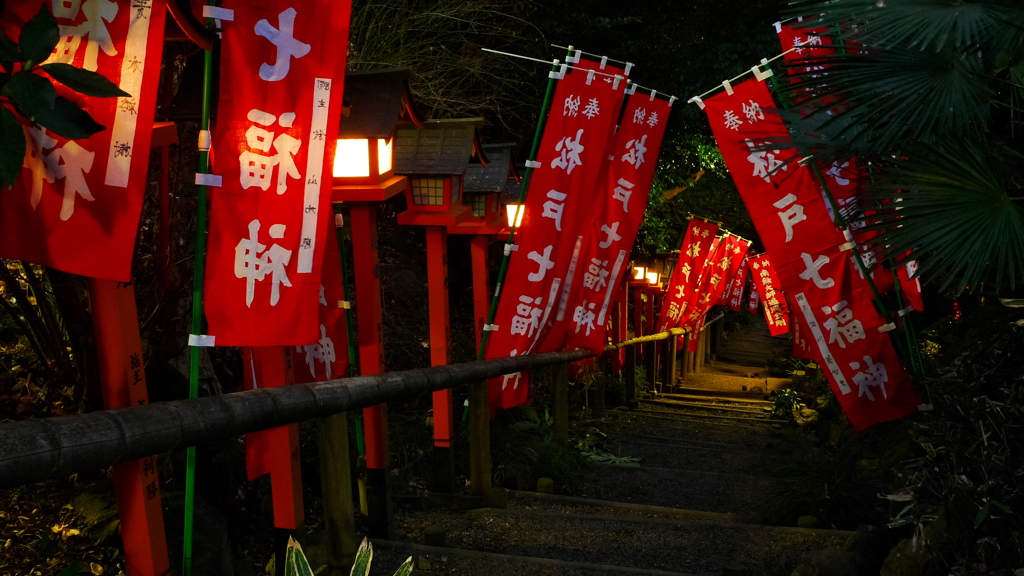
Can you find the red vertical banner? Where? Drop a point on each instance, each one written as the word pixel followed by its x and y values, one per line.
pixel 282 70
pixel 327 357
pixel 546 257
pixel 693 254
pixel 77 203
pixel 609 234
pixel 766 282
pixel 753 301
pixel 739 282
pixel 811 258
pixel 716 276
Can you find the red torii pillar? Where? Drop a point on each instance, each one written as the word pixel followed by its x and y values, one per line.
pixel 137 487
pixel 440 355
pixel 366 265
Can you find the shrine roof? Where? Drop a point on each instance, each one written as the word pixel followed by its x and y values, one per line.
pixel 441 147
pixel 493 178
pixel 375 102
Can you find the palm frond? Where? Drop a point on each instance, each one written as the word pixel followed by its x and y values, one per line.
pixel 949 209
pixel 874 101
pixel 914 24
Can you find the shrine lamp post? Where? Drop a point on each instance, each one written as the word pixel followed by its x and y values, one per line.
pixel 435 158
pixel 364 177
pixel 484 187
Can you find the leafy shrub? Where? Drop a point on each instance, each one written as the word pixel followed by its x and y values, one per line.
pixel 969 460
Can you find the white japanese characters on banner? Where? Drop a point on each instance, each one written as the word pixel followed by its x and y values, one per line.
pixel 768 289
pixel 610 230
pixel 547 260
pixel 282 70
pixel 812 259
pixel 77 203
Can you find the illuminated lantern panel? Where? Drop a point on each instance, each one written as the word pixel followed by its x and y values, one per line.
pixel 363 159
pixel 515 214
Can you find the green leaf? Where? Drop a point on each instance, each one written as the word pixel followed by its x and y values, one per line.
pixel 12 148
pixel 68 120
pixel 8 50
pixel 980 517
pixel 406 568
pixel 85 81
pixel 39 36
pixel 295 560
pixel 33 95
pixel 71 569
pixel 364 556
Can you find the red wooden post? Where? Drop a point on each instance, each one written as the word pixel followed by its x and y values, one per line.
pixel 136 484
pixel 273 368
pixel 481 291
pixel 440 334
pixel 371 361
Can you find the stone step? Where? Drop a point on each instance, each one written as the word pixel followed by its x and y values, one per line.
pixel 587 543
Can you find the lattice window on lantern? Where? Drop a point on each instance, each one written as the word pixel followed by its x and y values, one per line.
pixel 428 191
pixel 479 204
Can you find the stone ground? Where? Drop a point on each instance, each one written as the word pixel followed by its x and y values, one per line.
pixel 693 506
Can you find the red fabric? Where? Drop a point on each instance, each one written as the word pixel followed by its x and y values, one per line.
pixel 810 43
pixel 829 299
pixel 753 300
pixel 604 264
pixel 910 286
pixel 327 358
pixel 549 244
pixel 693 253
pixel 280 107
pixel 717 275
pixel 739 282
pixel 767 284
pixel 803 348
pixel 76 205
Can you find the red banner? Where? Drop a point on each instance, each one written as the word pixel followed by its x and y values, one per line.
pixel 693 254
pixel 282 71
pixel 767 284
pixel 753 301
pixel 548 249
pixel 609 234
pixel 77 203
pixel 327 358
pixel 716 276
pixel 738 284
pixel 786 206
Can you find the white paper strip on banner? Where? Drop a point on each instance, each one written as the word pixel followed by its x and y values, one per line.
pixel 696 100
pixel 533 164
pixel 613 281
pixel 826 354
pixel 213 180
pixel 490 328
pixel 133 66
pixel 318 133
pixel 201 340
pixel 510 248
pixel 218 13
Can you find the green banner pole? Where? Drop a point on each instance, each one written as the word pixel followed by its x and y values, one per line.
pixel 527 174
pixel 197 308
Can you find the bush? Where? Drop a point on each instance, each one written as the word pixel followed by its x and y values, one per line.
pixel 969 451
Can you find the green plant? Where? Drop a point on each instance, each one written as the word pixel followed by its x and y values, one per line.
pixel 928 103
pixel 968 454
pixel 785 402
pixel 34 96
pixel 830 485
pixel 296 564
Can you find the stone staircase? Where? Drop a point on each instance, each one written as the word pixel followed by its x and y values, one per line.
pixel 752 345
pixel 692 506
